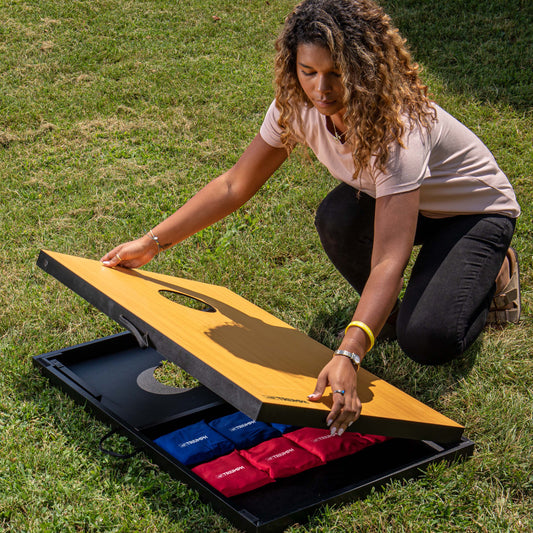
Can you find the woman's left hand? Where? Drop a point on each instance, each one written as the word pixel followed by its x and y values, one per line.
pixel 340 375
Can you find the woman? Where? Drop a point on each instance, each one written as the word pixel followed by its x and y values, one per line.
pixel 410 174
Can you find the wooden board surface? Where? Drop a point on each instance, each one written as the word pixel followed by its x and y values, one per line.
pixel 256 362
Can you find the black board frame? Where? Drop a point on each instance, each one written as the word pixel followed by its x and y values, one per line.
pixel 81 370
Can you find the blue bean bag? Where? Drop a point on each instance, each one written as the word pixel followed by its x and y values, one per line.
pixel 197 443
pixel 243 431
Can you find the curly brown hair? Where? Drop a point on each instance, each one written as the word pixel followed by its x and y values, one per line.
pixel 381 82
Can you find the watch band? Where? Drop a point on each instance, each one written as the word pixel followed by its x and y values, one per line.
pixel 354 358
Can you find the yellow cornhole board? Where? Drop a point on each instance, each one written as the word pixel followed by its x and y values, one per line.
pixel 254 361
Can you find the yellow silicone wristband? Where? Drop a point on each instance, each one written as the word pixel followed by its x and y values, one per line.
pixel 365 328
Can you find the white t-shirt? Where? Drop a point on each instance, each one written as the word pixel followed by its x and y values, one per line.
pixel 456 172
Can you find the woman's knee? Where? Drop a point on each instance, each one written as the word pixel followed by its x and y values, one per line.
pixel 430 344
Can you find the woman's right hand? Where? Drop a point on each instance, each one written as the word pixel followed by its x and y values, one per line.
pixel 131 254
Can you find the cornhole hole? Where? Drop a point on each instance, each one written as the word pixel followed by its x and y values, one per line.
pixel 247 361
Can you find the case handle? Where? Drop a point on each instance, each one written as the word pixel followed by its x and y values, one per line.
pixel 111 452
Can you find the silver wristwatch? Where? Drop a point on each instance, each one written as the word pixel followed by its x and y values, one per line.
pixel 354 358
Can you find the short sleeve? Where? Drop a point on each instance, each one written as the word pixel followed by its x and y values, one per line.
pixel 270 130
pixel 407 166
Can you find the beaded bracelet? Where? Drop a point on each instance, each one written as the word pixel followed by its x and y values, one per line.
pixel 365 328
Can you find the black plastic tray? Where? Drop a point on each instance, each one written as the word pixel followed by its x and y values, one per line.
pixel 113 377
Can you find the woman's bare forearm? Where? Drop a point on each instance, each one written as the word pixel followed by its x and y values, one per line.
pixel 209 205
pixel 217 199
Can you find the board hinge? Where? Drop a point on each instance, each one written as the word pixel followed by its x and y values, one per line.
pixel 141 338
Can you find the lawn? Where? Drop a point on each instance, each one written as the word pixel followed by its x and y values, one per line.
pixel 112 113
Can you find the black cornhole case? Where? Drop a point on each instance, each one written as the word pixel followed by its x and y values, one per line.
pixel 114 377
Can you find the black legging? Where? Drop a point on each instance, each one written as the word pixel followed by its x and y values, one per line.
pixel 452 282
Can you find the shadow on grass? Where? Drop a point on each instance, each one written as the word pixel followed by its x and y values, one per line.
pixel 480 48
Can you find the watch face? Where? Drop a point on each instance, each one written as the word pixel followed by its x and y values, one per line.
pixel 354 358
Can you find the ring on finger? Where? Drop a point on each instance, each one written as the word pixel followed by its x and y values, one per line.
pixel 118 257
pixel 340 391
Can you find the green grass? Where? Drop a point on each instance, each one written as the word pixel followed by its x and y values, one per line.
pixel 112 113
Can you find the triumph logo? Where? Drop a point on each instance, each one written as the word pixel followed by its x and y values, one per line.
pixel 230 472
pixel 285 399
